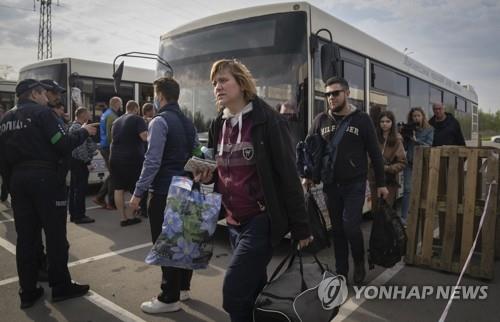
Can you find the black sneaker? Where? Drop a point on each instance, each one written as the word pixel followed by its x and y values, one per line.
pixel 28 299
pixel 359 272
pixel 83 220
pixel 129 222
pixel 61 293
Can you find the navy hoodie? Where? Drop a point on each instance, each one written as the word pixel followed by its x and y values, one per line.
pixel 447 132
pixel 359 141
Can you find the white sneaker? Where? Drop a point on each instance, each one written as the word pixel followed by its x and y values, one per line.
pixel 185 295
pixel 156 306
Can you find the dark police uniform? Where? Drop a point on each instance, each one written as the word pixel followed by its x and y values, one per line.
pixel 35 143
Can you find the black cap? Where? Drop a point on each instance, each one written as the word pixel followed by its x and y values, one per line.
pixel 28 84
pixel 53 86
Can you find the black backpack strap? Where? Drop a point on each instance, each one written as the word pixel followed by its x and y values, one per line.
pixel 337 137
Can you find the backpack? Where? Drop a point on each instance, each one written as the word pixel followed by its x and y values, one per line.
pixel 308 155
pixel 387 238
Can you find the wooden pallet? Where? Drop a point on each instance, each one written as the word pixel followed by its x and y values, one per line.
pixel 449 188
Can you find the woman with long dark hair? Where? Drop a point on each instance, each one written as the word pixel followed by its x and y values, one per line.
pixel 423 136
pixel 391 145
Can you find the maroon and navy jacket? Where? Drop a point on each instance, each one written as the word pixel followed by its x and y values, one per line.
pixel 237 177
pixel 264 140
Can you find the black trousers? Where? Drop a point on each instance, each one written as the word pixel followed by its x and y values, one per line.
pixel 4 191
pixel 78 188
pixel 173 279
pixel 345 206
pixel 39 201
pixel 106 188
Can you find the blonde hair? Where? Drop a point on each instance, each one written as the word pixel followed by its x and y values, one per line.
pixel 240 73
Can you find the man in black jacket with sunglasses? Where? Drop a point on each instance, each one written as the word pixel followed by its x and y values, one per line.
pixel 344 173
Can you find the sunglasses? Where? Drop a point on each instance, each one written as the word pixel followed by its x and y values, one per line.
pixel 333 93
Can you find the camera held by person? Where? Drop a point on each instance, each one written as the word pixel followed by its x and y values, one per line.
pixel 407 130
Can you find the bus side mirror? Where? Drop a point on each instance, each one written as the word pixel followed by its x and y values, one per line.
pixel 330 61
pixel 117 76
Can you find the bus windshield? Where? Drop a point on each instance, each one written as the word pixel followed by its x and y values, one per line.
pixel 273 47
pixel 56 72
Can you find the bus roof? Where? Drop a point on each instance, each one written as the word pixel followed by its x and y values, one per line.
pixel 344 35
pixel 89 68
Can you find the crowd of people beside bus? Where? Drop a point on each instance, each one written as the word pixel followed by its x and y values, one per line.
pixel 262 193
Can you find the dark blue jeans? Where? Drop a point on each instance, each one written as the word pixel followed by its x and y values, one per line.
pixel 345 206
pixel 246 274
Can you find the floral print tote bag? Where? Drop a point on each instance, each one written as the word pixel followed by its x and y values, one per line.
pixel 190 219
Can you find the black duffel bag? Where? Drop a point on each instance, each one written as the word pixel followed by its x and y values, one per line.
pixel 304 292
pixel 387 238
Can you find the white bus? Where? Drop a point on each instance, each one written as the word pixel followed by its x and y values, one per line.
pixel 7 93
pixel 286 50
pixel 90 84
pixel 280 45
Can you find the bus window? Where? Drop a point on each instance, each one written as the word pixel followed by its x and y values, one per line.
pixel 7 100
pixel 104 90
pixel 436 95
pixel 274 49
pixel 419 95
pixel 86 94
pixel 146 94
pixel 319 106
pixel 56 72
pixel 354 74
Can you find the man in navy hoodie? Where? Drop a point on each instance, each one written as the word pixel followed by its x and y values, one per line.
pixel 447 130
pixel 344 179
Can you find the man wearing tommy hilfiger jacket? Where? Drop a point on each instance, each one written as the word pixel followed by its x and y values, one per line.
pixel 344 178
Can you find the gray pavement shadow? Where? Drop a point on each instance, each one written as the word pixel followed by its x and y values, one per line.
pixel 40 312
pixel 207 310
pixel 180 316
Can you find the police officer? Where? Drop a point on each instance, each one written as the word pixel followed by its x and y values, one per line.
pixel 54 95
pixel 36 143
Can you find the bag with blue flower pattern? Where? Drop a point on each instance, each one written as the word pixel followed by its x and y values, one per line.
pixel 190 219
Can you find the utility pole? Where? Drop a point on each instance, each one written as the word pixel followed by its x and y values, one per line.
pixel 45 30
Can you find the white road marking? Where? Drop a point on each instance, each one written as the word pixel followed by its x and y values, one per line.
pixel 6 215
pixel 353 304
pixel 112 308
pixel 93 207
pixel 110 254
pixel 6 244
pixel 9 280
pixel 6 220
pixel 11 248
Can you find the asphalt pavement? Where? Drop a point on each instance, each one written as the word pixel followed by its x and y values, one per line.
pixel 111 259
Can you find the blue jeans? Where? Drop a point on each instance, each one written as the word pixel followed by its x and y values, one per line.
pixel 246 274
pixel 405 205
pixel 345 206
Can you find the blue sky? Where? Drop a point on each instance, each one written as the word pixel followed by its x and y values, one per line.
pixel 458 38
